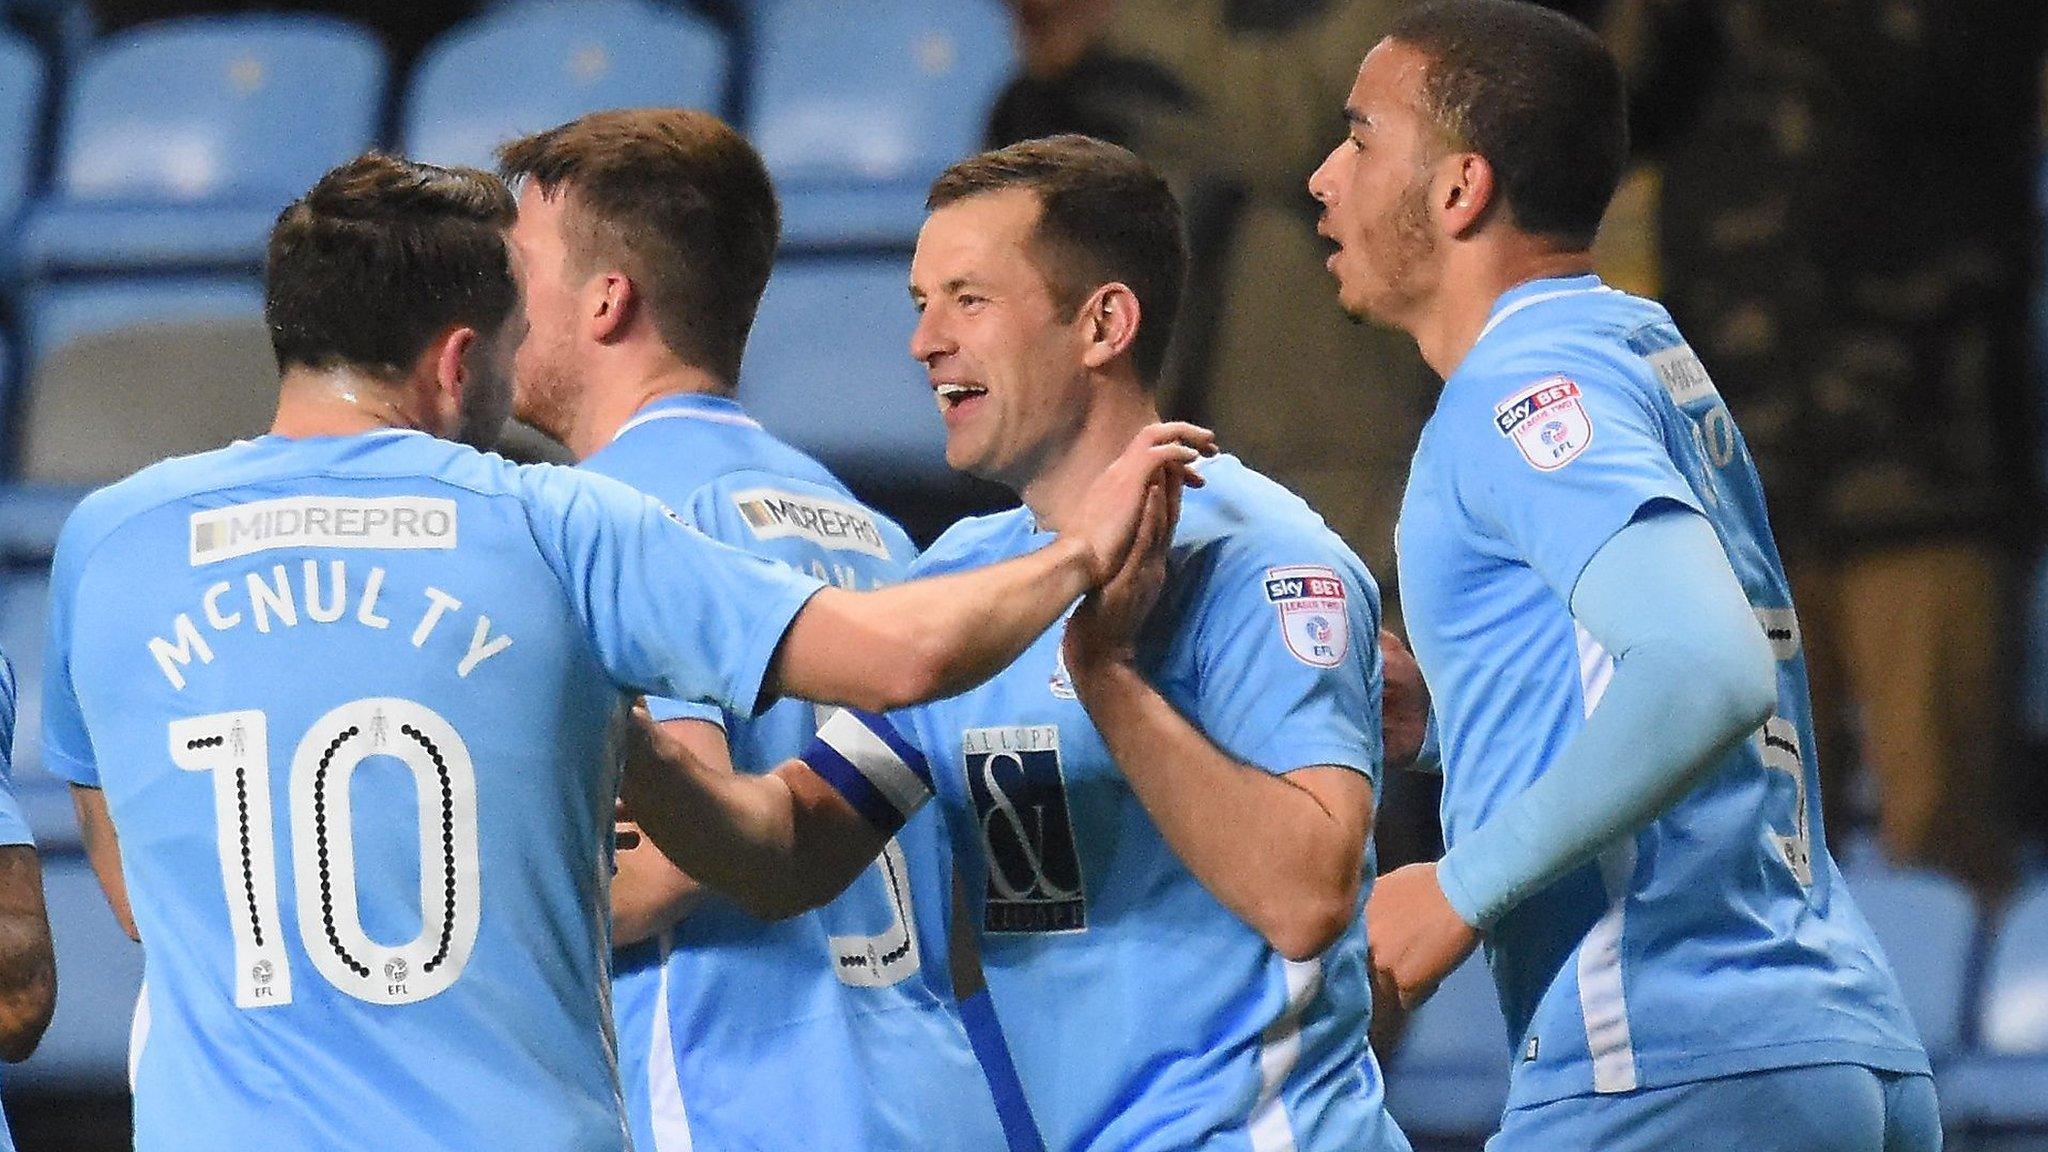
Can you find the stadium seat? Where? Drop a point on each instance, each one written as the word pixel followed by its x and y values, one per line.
pixel 53 315
pixel 532 66
pixel 100 970
pixel 857 107
pixel 2003 1088
pixel 22 79
pixel 188 386
pixel 829 369
pixel 181 140
pixel 1449 1077
pixel 1927 925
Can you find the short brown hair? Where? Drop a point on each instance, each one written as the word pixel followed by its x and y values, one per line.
pixel 1104 215
pixel 380 256
pixel 678 201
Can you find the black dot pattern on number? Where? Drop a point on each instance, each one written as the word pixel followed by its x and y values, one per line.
pixel 898 899
pixel 205 742
pixel 447 781
pixel 326 871
pixel 248 864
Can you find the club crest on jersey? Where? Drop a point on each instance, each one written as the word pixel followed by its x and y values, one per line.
pixel 1313 622
pixel 1547 421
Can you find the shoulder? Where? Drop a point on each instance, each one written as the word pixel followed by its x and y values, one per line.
pixel 977 540
pixel 105 510
pixel 1244 536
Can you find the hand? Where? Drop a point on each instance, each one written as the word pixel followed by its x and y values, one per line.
pixel 1104 626
pixel 1106 527
pixel 1414 938
pixel 1053 35
pixel 1404 702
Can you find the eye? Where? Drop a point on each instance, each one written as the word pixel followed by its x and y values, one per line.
pixel 1357 143
pixel 970 301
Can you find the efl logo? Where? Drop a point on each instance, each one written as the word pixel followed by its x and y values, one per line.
pixel 1313 622
pixel 1027 833
pixel 1547 421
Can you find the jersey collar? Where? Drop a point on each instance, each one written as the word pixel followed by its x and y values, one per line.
pixel 1533 292
pixel 690 406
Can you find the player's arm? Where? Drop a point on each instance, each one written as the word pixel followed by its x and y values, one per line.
pixel 1281 845
pixel 928 638
pixel 28 964
pixel 1407 726
pixel 777 844
pixel 103 852
pixel 650 894
pixel 1693 676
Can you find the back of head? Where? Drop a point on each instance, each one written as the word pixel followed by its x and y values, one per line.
pixel 676 200
pixel 1538 95
pixel 382 255
pixel 1104 216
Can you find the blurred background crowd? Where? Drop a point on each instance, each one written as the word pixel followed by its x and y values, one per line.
pixel 1839 200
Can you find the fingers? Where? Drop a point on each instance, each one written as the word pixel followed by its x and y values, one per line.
pixel 1193 435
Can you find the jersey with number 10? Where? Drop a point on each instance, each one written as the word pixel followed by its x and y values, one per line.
pixel 348 699
pixel 721 1018
pixel 1719 939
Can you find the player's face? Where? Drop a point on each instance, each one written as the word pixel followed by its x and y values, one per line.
pixel 1005 362
pixel 1374 188
pixel 544 367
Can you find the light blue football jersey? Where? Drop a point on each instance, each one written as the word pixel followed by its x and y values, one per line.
pixel 836 1029
pixel 1143 1014
pixel 349 701
pixel 13 826
pixel 1720 939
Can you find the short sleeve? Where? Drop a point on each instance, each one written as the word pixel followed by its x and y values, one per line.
pixel 1555 467
pixel 1287 654
pixel 67 748
pixel 669 611
pixel 865 758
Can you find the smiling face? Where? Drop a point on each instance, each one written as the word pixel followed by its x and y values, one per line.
pixel 1375 191
pixel 1004 359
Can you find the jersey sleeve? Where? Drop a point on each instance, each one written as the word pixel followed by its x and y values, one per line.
pixel 1288 654
pixel 701 512
pixel 67 747
pixel 1558 465
pixel 13 827
pixel 669 611
pixel 865 758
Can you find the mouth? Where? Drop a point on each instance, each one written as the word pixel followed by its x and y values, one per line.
pixel 957 398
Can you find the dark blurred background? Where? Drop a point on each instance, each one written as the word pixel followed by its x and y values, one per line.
pixel 1839 200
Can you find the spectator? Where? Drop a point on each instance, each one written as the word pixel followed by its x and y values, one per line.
pixel 1845 226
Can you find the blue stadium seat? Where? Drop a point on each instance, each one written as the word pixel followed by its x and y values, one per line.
pixel 1449 1078
pixel 857 107
pixel 829 369
pixel 56 314
pixel 532 66
pixel 1927 925
pixel 99 972
pixel 22 79
pixel 182 140
pixel 2003 1088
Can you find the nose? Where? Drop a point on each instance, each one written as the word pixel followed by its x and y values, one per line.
pixel 929 340
pixel 1322 183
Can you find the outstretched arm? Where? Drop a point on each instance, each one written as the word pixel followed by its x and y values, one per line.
pixel 28 966
pixel 924 639
pixel 1692 677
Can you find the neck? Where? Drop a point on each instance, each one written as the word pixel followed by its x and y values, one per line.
pixel 1117 413
pixel 343 402
pixel 614 399
pixel 1452 322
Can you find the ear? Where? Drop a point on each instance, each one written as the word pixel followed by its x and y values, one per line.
pixel 1463 193
pixel 1109 322
pixel 610 299
pixel 450 374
